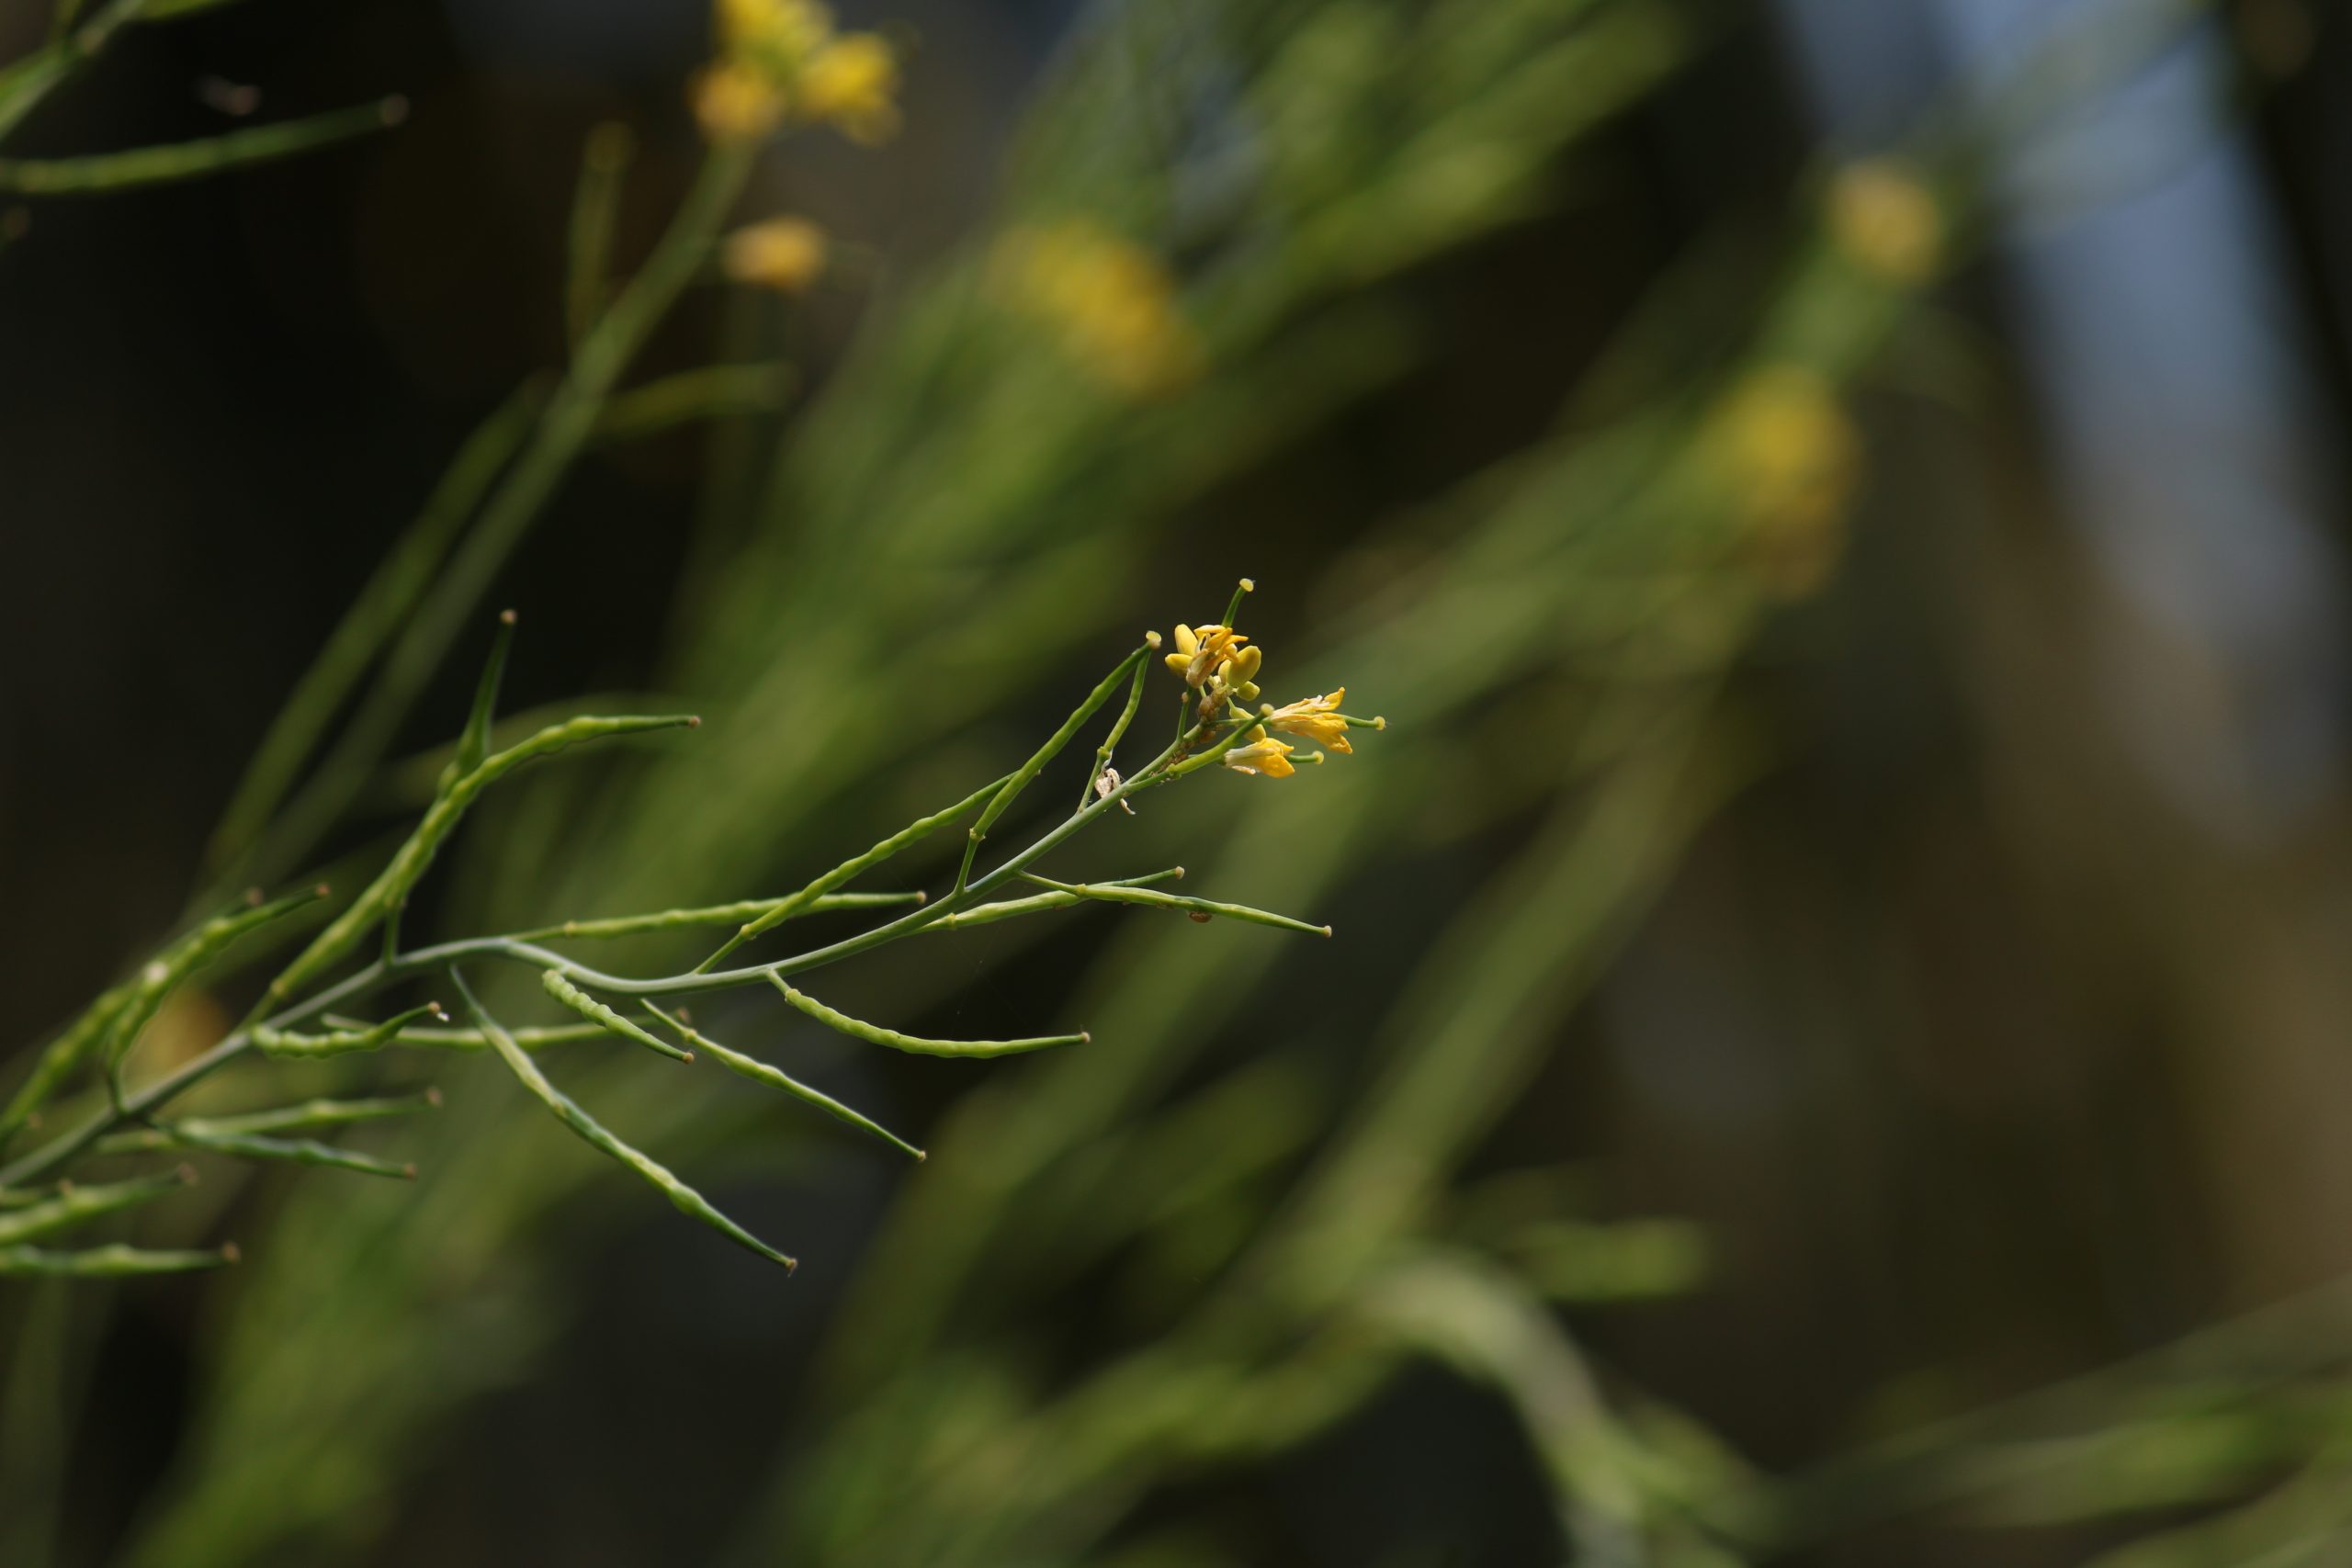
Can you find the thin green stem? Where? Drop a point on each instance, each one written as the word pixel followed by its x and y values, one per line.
pixel 717 915
pixel 1037 903
pixel 26 81
pixel 1110 742
pixel 713 392
pixel 395 590
pixel 139 1103
pixel 566 426
pixel 595 203
pixel 787 908
pixel 106 172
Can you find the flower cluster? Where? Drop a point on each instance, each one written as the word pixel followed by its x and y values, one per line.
pixel 781 60
pixel 1221 665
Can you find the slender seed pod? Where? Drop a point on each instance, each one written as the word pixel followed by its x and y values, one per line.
pixel 108 1262
pixel 874 1035
pixel 760 1072
pixel 79 1205
pixel 340 1042
pixel 683 1196
pixel 595 1012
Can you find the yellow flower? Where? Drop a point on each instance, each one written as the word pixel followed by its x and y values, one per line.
pixel 1111 303
pixel 1782 442
pixel 1236 673
pixel 787 255
pixel 1315 719
pixel 1262 754
pixel 736 101
pixel 1198 653
pixel 784 31
pixel 851 81
pixel 1886 221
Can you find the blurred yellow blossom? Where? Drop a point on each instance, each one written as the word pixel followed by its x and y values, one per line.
pixel 852 82
pixel 188 1024
pixel 736 101
pixel 783 32
pixel 782 58
pixel 1110 304
pixel 1782 441
pixel 787 255
pixel 1883 218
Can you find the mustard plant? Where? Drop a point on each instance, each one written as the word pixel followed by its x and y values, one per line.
pixel 299 1015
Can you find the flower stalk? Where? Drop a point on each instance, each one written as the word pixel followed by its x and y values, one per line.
pixel 302 1014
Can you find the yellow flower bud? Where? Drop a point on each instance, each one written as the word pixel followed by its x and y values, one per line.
pixel 787 255
pixel 1267 757
pixel 785 31
pixel 735 101
pixel 1886 221
pixel 1315 719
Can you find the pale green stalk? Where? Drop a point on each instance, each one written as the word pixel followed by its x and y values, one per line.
pixel 718 915
pixel 25 83
pixel 691 397
pixel 1110 742
pixel 79 1205
pixel 59 1057
pixel 566 426
pixel 595 203
pixel 252 1146
pixel 1036 903
pixel 309 1114
pixel 391 887
pixel 785 908
pixel 109 1262
pixel 171 969
pixel 1022 776
pixel 103 173
pixel 392 593
pixel 528 1037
